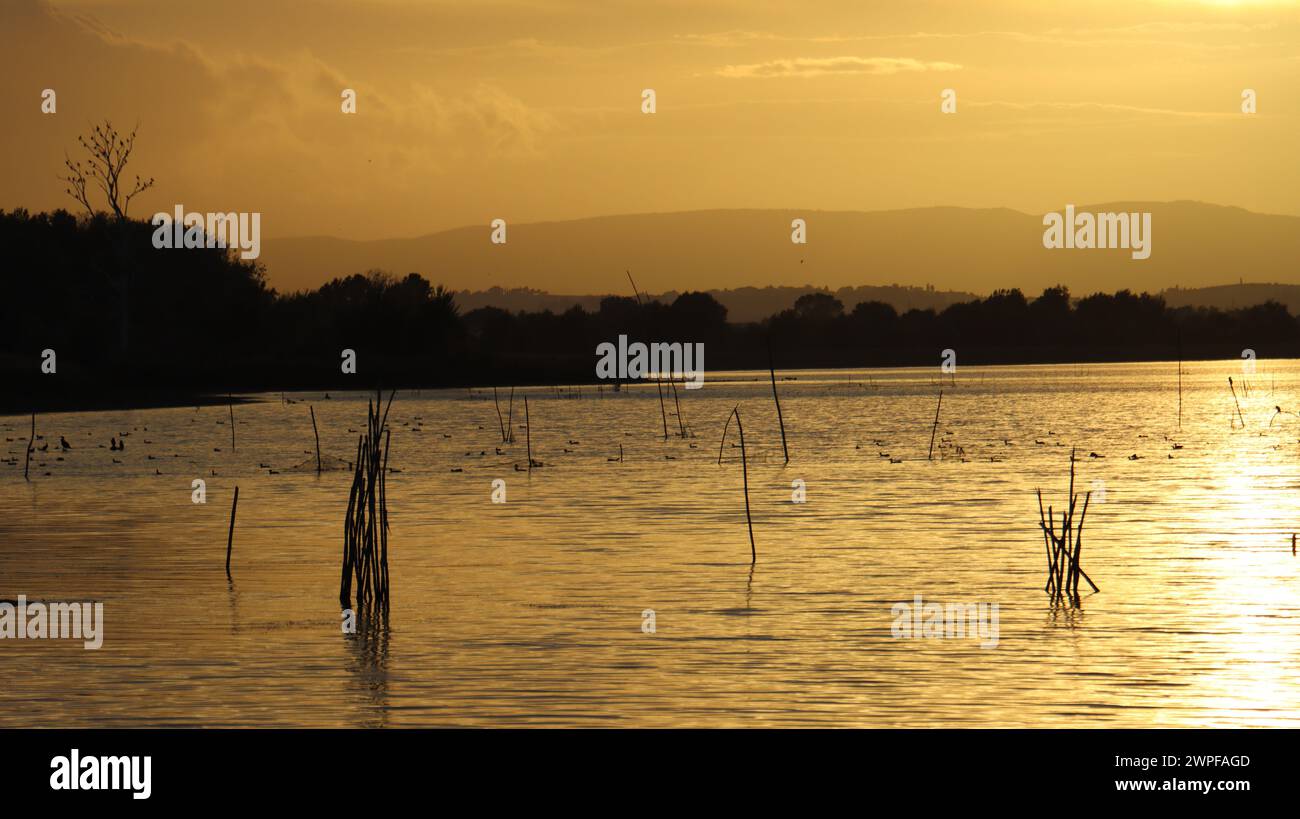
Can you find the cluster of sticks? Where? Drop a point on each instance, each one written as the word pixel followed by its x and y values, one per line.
pixel 365 529
pixel 1064 548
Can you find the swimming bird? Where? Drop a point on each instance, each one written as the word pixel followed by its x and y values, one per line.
pixel 1280 411
pixel 63 442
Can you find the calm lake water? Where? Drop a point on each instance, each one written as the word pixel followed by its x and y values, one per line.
pixel 529 612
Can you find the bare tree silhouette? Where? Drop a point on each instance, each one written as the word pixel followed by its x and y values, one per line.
pixel 108 153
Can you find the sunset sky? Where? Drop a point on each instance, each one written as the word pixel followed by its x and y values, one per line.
pixel 530 110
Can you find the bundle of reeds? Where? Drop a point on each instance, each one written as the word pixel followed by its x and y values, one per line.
pixel 365 528
pixel 1064 548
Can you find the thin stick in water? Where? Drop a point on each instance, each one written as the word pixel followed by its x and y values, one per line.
pixel 1180 380
pixel 31 444
pixel 771 368
pixel 1235 401
pixel 510 418
pixel 681 425
pixel 663 413
pixel 935 428
pixel 659 385
pixel 528 432
pixel 744 466
pixel 230 537
pixel 500 423
pixel 315 432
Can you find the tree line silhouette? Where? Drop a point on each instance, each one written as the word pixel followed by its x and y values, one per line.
pixel 131 322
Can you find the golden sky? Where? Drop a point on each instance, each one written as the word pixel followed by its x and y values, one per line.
pixel 531 110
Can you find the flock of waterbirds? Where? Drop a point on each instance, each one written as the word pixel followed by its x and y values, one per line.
pixel 365 559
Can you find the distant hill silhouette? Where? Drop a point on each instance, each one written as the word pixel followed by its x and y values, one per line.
pixel 1232 296
pixel 744 304
pixel 961 249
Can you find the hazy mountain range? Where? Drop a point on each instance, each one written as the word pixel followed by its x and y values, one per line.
pixel 963 250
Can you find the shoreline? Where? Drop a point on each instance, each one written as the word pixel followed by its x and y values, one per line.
pixel 120 400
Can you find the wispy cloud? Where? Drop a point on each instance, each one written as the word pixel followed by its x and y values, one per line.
pixel 1139 35
pixel 1102 106
pixel 825 66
